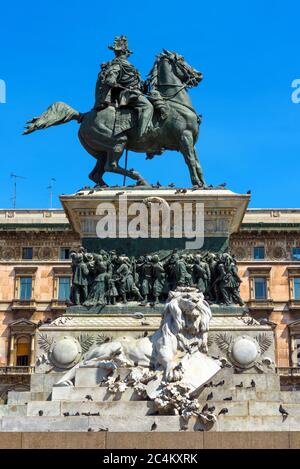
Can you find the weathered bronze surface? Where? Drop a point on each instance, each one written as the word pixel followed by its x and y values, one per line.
pixel 106 278
pixel 143 116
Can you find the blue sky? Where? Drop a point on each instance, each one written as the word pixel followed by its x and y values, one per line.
pixel 247 50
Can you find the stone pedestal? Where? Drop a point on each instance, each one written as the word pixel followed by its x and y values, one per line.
pixel 223 213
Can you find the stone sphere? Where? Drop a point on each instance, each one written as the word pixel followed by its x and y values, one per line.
pixel 65 351
pixel 244 352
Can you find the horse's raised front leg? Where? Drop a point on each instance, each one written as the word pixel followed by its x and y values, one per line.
pixel 191 159
pixel 112 166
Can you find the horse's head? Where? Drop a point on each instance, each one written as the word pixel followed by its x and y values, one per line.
pixel 185 72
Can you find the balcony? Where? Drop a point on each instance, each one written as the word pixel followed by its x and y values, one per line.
pixel 294 304
pixel 256 305
pixel 289 371
pixel 16 370
pixel 23 305
pixel 59 306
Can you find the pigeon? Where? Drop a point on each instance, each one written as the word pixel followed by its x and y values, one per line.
pixel 205 408
pixel 77 413
pixel 224 184
pixel 177 191
pixel 41 413
pixel 211 409
pixel 253 383
pixel 221 383
pixel 283 412
pixel 96 414
pixel 101 429
pixel 171 184
pixel 223 411
pixel 183 191
pixel 153 427
pixel 120 193
pixel 86 414
pixel 90 430
pixel 66 414
pixel 158 184
pixel 210 396
pixel 249 191
pixel 227 399
pixel 239 385
pixel 89 397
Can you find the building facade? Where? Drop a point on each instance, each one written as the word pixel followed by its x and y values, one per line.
pixel 35 277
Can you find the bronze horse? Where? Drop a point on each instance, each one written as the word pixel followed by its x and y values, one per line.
pixel 171 76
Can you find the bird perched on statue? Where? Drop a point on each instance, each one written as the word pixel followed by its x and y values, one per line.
pixel 90 430
pixel 88 397
pixel 103 429
pixel 177 191
pixel 283 412
pixel 210 396
pixel 171 184
pixel 41 413
pixel 224 184
pixel 239 385
pixel 252 383
pixel 153 427
pixel 249 191
pixel 158 184
pixel 211 409
pixel 221 383
pixel 66 414
pixel 184 191
pixel 227 399
pixel 205 408
pixel 223 411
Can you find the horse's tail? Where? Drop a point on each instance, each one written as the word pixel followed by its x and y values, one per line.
pixel 56 114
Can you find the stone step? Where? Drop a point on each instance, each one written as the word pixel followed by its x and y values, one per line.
pixel 82 424
pixel 18 397
pixel 145 424
pixel 290 396
pixel 269 409
pixel 13 410
pixel 23 397
pixel 41 382
pixel 263 382
pixel 257 424
pixel 116 408
pixel 70 393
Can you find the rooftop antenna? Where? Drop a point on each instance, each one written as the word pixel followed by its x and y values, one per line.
pixel 14 197
pixel 50 188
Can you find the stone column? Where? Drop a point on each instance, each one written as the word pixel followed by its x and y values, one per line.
pixel 11 350
pixel 32 351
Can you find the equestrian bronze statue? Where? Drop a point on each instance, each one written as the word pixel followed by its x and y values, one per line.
pixel 141 116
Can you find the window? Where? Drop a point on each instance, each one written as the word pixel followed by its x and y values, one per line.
pixel 25 288
pixel 64 254
pixel 296 254
pixel 23 351
pixel 297 288
pixel 258 252
pixel 63 288
pixel 27 253
pixel 260 288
